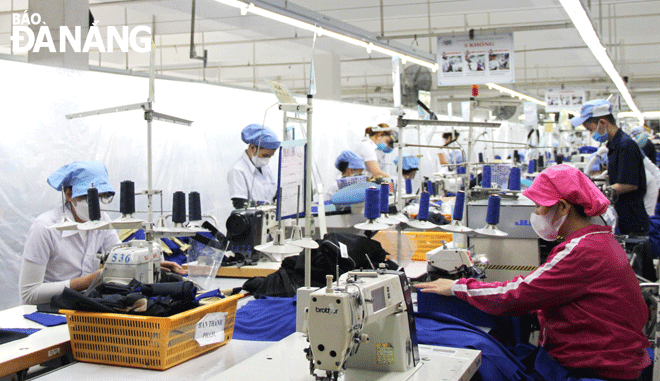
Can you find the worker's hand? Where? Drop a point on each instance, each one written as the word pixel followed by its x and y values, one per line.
pixel 439 286
pixel 173 266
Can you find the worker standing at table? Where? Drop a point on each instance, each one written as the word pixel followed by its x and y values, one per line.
pixel 373 148
pixel 625 165
pixel 251 178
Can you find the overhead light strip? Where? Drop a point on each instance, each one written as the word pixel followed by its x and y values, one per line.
pixel 370 46
pixel 512 93
pixel 583 24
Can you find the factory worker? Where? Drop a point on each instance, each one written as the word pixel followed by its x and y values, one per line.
pixel 450 156
pixel 373 148
pixel 410 166
pixel 625 165
pixel 251 178
pixel 349 164
pixel 586 296
pixel 643 140
pixel 54 259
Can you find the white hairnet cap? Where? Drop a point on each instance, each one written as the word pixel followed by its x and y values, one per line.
pixel 80 176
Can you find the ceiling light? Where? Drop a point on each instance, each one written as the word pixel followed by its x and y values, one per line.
pixel 513 94
pixel 370 46
pixel 583 24
pixel 645 115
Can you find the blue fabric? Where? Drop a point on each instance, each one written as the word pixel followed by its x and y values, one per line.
pixel 352 194
pixel 260 136
pixel 47 320
pixel 267 319
pixel 587 149
pixel 497 363
pixel 210 294
pixel 409 162
pixel 80 176
pixel 354 161
pixel 654 234
pixel 27 331
pixel 596 107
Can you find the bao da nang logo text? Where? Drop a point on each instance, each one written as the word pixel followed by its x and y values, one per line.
pixel 23 37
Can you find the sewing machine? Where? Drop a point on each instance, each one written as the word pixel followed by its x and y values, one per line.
pixel 365 322
pixel 453 263
pixel 247 228
pixel 130 260
pixel 358 329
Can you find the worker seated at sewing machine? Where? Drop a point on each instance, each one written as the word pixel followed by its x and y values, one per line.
pixel 54 259
pixel 590 324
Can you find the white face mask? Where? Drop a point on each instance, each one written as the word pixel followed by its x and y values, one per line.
pixel 260 161
pixel 543 225
pixel 82 210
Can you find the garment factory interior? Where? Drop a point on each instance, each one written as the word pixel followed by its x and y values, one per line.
pixel 357 190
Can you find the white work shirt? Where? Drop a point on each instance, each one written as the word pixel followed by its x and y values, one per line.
pixel 240 179
pixel 66 254
pixel 368 150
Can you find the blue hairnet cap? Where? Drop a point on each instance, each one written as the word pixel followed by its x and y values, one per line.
pixel 597 107
pixel 80 176
pixel 260 136
pixel 409 162
pixel 354 161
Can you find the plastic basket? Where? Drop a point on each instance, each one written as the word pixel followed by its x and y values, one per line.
pixel 346 181
pixel 418 242
pixel 427 241
pixel 143 341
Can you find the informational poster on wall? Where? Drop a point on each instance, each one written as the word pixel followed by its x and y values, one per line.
pixel 564 99
pixel 483 59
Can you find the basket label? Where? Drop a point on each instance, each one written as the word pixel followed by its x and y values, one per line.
pixel 211 329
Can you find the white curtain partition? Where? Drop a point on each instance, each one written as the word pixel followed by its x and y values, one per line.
pixel 37 139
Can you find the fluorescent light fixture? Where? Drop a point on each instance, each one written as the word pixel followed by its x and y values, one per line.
pixel 645 115
pixel 515 94
pixel 583 24
pixel 250 7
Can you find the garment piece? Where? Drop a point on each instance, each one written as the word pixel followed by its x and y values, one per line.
pixel 80 176
pixel 11 334
pixel 587 319
pixel 497 363
pixel 247 182
pixel 266 319
pixel 47 320
pixel 625 166
pixel 64 253
pixel 260 136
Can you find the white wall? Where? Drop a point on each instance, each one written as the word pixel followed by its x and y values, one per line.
pixel 37 139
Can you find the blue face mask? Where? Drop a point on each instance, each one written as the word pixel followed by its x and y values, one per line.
pixel 383 147
pixel 388 149
pixel 597 136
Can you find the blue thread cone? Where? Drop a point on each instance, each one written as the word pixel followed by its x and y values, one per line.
pixel 423 213
pixel 371 203
pixel 384 198
pixel 493 212
pixel 409 186
pixel 514 179
pixel 486 176
pixel 458 206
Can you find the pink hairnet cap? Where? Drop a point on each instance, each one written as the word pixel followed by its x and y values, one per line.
pixel 565 182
